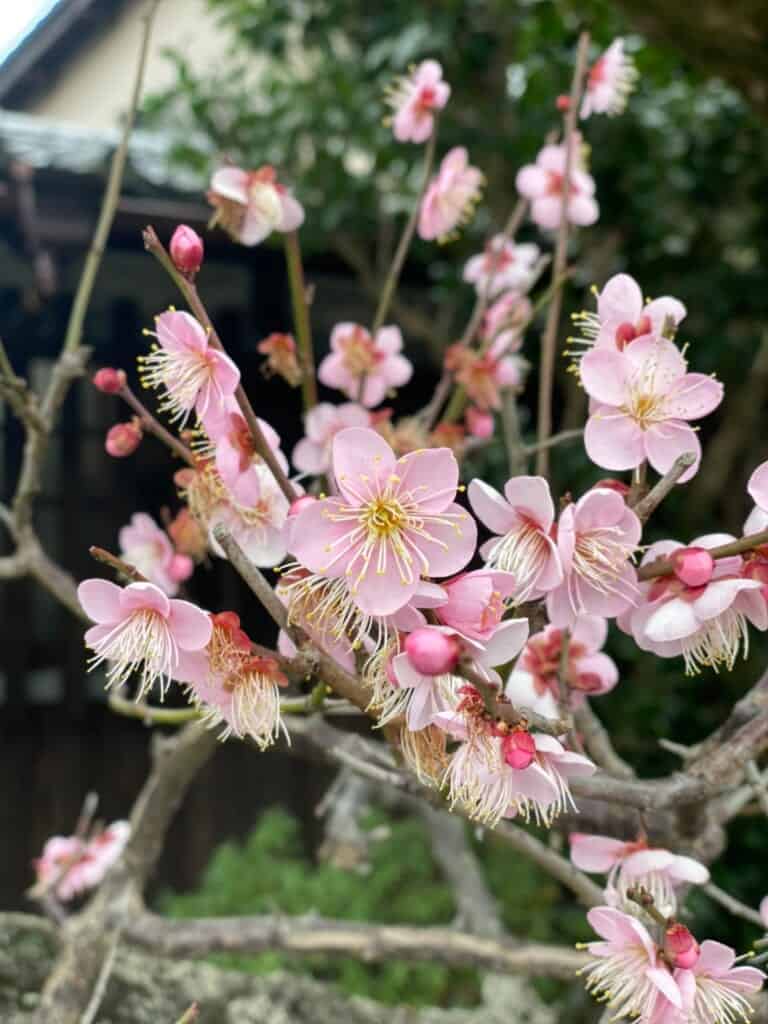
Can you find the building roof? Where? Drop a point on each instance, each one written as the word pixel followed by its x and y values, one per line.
pixel 49 46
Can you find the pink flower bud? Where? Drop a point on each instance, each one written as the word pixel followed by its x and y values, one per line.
pixel 518 749
pixel 479 423
pixel 680 946
pixel 186 250
pixel 181 568
pixel 431 651
pixel 123 439
pixel 300 504
pixel 693 566
pixel 563 102
pixel 109 380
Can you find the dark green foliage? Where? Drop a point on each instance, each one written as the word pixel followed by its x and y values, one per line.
pixel 272 873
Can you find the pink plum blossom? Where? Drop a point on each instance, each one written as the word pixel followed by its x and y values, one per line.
pixel 257 522
pixel 416 99
pixel 543 183
pixel 630 864
pixel 714 991
pixel 643 398
pixel 505 320
pixel 393 521
pixel 357 360
pixel 610 81
pixel 236 688
pixel 484 781
pixel 627 972
pixel 596 537
pixel 706 625
pixel 322 423
pixel 148 548
pixel 72 865
pixel 250 205
pixel 503 266
pixel 623 316
pixel 450 198
pixel 422 696
pixel 475 602
pixel 534 681
pixel 139 626
pixel 237 461
pixel 485 375
pixel 523 522
pixel 192 374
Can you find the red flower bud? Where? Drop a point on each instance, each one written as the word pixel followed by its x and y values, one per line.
pixel 186 250
pixel 563 102
pixel 123 439
pixel 431 651
pixel 681 948
pixel 518 749
pixel 109 380
pixel 693 566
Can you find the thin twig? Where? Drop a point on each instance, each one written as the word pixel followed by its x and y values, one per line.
pixel 153 426
pixel 393 276
pixel 646 506
pixel 564 437
pixel 732 905
pixel 100 988
pixel 500 707
pixel 149 714
pixel 758 785
pixel 549 337
pixel 301 320
pixel 510 420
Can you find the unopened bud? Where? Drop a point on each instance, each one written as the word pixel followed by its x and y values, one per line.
pixel 681 948
pixel 693 566
pixel 123 439
pixel 518 749
pixel 186 250
pixel 563 102
pixel 479 423
pixel 431 651
pixel 300 504
pixel 109 380
pixel 181 568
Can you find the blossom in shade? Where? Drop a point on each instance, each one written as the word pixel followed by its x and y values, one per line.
pixel 475 602
pixel 504 321
pixel 280 350
pixel 187 536
pixel 534 681
pixel 642 399
pixel 237 689
pixel 627 972
pixel 450 198
pixel 359 363
pixel 523 523
pixel 256 523
pixel 479 423
pixel 623 317
pixel 543 185
pixel 138 628
pixel 484 375
pixel 630 864
pixel 596 537
pixel 250 205
pixel 610 81
pixel 714 991
pixel 71 865
pixel 393 521
pixel 707 625
pixel 191 374
pixel 233 446
pixel 416 99
pixel 123 438
pixel 148 548
pixel 322 423
pixel 502 266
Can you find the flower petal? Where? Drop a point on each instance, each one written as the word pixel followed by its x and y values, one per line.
pixel 100 600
